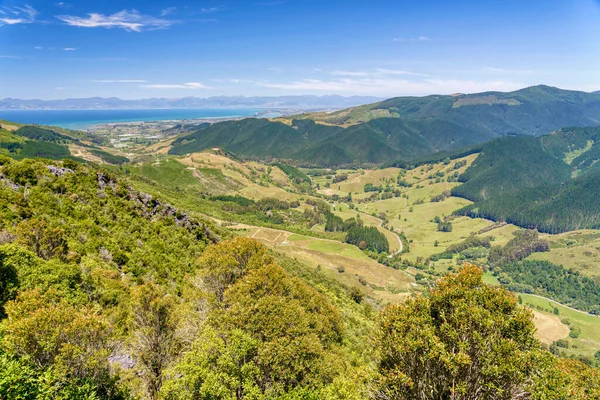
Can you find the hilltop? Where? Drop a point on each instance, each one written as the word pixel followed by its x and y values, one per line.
pixel 405 128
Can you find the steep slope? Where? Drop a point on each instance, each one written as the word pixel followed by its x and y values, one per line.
pixel 548 183
pixel 405 128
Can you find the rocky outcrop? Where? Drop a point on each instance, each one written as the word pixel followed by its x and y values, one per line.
pixel 152 208
pixel 58 171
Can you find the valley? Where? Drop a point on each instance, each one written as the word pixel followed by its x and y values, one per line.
pixel 370 236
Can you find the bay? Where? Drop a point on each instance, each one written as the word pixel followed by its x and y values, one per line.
pixel 84 119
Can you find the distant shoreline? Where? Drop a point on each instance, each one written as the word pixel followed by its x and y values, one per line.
pixel 89 119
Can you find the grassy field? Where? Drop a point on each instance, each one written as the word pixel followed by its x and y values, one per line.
pixel 342 261
pixel 411 214
pixel 579 250
pixel 588 343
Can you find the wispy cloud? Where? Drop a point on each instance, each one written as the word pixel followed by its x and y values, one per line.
pixel 271 3
pixel 38 48
pixel 414 39
pixel 506 71
pixel 69 49
pixel 17 15
pixel 167 11
pixel 209 10
pixel 119 81
pixel 129 20
pixel 393 86
pixel 376 72
pixel 188 85
pixel 11 57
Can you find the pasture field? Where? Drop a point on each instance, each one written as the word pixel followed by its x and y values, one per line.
pixel 344 262
pixel 588 342
pixel 578 250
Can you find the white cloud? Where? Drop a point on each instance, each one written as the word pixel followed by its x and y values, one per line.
pixel 119 81
pixel 17 15
pixel 69 49
pixel 394 86
pixel 506 71
pixel 239 80
pixel 167 11
pixel 38 48
pixel 11 57
pixel 189 85
pixel 376 72
pixel 209 10
pixel 415 39
pixel 128 20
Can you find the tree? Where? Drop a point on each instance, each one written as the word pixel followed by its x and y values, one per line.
pixel 271 335
pixel 467 340
pixel 223 264
pixel 45 240
pixel 74 341
pixel 153 328
pixel 9 282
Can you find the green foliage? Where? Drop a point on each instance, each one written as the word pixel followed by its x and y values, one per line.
pixel 526 181
pixel 371 236
pixel 334 223
pixel 521 246
pixel 563 285
pixel 240 200
pixel 41 134
pixel 294 173
pixel 444 226
pixel 369 187
pixel 109 158
pixel 464 338
pixel 270 335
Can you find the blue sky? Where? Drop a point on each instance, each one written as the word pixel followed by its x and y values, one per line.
pixel 140 49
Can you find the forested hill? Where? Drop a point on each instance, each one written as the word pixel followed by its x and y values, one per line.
pixel 549 183
pixel 402 128
pixel 27 141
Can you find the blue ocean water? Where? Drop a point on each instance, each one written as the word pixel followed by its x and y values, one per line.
pixel 83 119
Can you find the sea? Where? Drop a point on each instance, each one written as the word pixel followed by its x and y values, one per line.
pixel 85 119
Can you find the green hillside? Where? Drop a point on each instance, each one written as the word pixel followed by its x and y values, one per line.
pixel 548 183
pixel 403 128
pixel 29 141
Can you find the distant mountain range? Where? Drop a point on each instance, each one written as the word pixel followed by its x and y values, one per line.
pixel 269 102
pixel 402 128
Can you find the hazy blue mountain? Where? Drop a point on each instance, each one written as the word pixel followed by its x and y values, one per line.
pixel 275 102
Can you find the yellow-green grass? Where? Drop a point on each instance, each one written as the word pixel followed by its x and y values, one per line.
pixel 331 247
pixel 490 279
pixel 356 182
pixel 343 211
pixel 501 234
pixel 579 250
pixel 588 343
pixel 384 284
pixel 240 173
